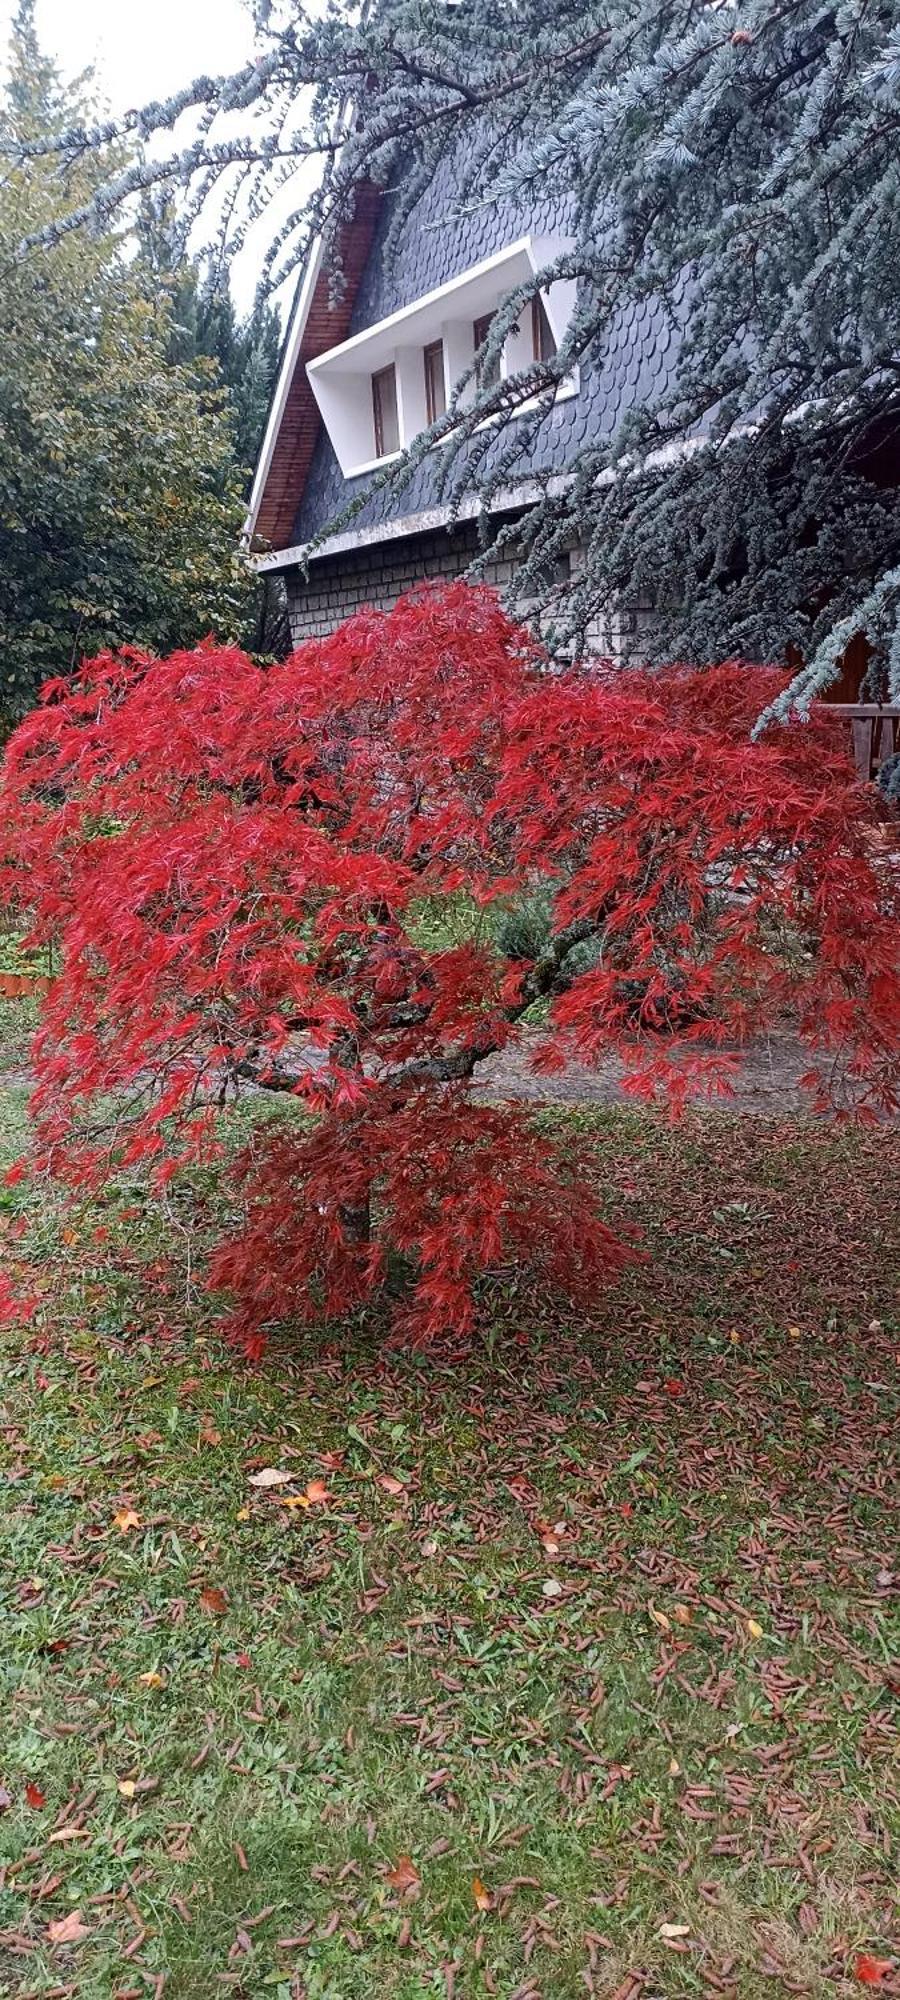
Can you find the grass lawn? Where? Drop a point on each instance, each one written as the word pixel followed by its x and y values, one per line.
pixel 558 1668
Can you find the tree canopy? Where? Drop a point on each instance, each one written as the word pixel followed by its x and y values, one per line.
pixel 352 877
pixel 204 323
pixel 736 163
pixel 120 500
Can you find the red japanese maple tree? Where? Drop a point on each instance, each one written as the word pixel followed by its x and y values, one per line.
pixel 245 870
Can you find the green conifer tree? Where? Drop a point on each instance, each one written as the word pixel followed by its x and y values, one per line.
pixel 204 323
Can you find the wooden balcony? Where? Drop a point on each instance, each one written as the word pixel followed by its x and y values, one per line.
pixel 874 731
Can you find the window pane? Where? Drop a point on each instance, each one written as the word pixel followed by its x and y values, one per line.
pixel 385 412
pixel 488 373
pixel 435 388
pixel 543 345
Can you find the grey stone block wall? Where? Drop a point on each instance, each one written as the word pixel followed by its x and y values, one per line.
pixel 339 585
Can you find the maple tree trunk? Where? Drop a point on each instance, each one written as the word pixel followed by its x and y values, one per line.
pixel 356 1216
pixel 356 1221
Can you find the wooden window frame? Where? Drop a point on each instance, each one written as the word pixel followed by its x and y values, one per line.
pixel 382 375
pixel 540 319
pixel 433 363
pixel 480 329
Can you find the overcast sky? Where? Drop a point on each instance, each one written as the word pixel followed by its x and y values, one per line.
pixel 144 49
pixel 141 48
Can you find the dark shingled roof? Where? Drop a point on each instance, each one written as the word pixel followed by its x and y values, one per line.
pixel 435 247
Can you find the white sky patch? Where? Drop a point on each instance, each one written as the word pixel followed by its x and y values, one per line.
pixel 142 53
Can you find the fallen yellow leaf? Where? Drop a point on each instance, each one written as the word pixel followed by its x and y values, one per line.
pixel 125 1519
pixel 243 1514
pixel 152 1679
pixel 127 1787
pixel 316 1495
pixel 483 1897
pixel 755 1629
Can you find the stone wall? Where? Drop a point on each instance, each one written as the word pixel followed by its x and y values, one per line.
pixel 338 585
pixel 377 575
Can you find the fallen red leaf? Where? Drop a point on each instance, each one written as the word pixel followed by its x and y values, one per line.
pixel 34 1795
pixel 872 1971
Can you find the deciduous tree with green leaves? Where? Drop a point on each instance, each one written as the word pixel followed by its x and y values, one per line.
pixel 738 163
pixel 120 496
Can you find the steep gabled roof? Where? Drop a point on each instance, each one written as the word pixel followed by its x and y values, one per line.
pixel 300 489
pixel 321 318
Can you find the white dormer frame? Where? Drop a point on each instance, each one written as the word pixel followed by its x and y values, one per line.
pixel 341 379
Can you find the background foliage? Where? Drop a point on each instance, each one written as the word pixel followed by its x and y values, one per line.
pixel 205 325
pixel 121 488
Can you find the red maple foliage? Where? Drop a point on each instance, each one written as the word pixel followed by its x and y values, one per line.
pixel 244 867
pixel 872 1971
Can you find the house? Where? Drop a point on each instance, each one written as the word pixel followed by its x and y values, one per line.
pixel 371 361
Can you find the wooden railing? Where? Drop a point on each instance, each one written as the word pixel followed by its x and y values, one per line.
pixel 874 731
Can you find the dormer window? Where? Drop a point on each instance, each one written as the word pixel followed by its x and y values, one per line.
pixel 385 411
pixel 435 381
pixel 384 386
